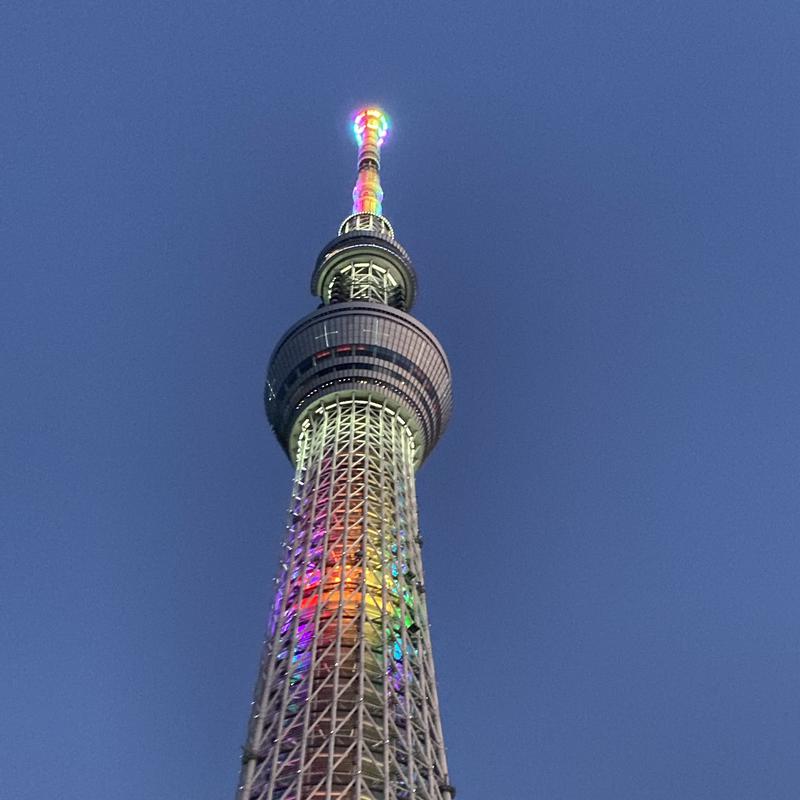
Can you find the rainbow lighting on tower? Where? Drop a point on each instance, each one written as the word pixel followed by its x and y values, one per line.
pixel 370 127
pixel 358 394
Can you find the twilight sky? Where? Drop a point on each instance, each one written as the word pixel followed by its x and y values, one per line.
pixel 602 200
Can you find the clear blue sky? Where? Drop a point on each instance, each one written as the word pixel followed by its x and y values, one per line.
pixel 603 205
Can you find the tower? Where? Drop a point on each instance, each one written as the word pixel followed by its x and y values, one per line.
pixel 358 394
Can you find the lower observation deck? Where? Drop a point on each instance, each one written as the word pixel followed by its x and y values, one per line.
pixel 361 348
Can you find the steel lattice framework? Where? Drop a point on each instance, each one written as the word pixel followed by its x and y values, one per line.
pixel 345 704
pixel 347 688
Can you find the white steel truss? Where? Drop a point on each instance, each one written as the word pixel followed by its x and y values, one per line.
pixel 363 280
pixel 345 704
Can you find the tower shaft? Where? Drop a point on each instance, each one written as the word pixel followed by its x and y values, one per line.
pixel 346 703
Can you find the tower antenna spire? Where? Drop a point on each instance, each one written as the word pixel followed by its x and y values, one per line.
pixel 370 125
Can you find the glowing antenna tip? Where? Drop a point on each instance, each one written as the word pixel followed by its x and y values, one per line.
pixel 370 125
pixel 372 120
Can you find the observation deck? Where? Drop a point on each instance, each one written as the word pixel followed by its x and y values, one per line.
pixel 366 349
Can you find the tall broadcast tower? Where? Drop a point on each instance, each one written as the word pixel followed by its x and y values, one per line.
pixel 358 394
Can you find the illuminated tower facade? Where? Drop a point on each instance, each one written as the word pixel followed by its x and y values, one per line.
pixel 358 393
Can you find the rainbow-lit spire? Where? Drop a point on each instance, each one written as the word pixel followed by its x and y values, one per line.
pixel 370 126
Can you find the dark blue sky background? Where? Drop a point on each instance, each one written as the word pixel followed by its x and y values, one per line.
pixel 602 201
